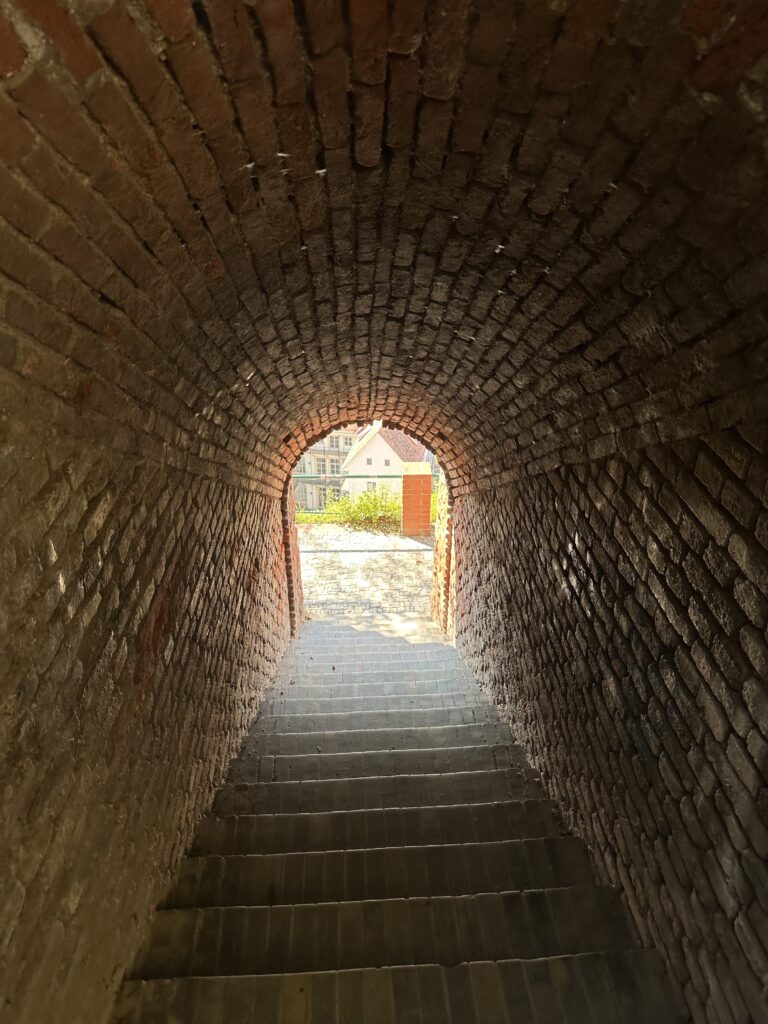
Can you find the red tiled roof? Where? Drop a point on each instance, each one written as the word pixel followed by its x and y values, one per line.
pixel 408 449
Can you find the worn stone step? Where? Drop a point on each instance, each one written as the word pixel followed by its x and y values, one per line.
pixel 374 763
pixel 314 653
pixel 286 703
pixel 430 737
pixel 372 721
pixel 393 791
pixel 381 854
pixel 419 629
pixel 371 643
pixel 344 830
pixel 381 873
pixel 404 674
pixel 369 658
pixel 381 669
pixel 618 987
pixel 384 933
pixel 354 660
pixel 315 639
pixel 407 686
pixel 432 641
pixel 426 633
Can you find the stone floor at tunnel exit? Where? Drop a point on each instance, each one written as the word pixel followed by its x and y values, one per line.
pixel 361 573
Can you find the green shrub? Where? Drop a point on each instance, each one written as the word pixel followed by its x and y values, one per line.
pixel 377 510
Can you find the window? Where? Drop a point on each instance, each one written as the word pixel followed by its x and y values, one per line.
pixel 335 492
pixel 322 493
pixel 334 442
pixel 386 462
pixel 371 485
pixel 348 441
pixel 369 462
pixel 335 463
pixel 320 465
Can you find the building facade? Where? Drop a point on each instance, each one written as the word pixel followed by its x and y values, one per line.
pixel 376 460
pixel 354 459
pixel 317 474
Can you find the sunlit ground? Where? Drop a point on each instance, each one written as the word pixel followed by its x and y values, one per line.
pixel 358 574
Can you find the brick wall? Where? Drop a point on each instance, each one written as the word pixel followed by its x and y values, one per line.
pixel 443 590
pixel 295 592
pixel 533 235
pixel 619 610
pixel 143 611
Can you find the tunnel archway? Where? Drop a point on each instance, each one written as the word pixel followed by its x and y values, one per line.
pixel 442 584
pixel 425 427
pixel 532 234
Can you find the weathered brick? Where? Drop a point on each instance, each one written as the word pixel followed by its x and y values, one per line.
pixel 534 235
pixel 368 31
pixel 77 52
pixel 12 52
pixel 708 711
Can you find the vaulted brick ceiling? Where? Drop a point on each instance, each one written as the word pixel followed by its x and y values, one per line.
pixel 527 232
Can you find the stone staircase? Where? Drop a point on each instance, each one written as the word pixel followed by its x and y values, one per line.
pixel 382 854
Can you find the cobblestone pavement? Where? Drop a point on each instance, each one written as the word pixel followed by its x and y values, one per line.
pixel 351 572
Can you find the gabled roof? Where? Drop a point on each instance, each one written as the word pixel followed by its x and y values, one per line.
pixel 407 448
pixel 404 447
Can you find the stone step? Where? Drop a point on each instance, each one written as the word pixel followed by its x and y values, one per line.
pixel 385 646
pixel 372 665
pixel 393 791
pixel 345 830
pixel 407 686
pixel 444 930
pixel 418 630
pixel 368 657
pixel 339 638
pixel 374 763
pixel 620 987
pixel 432 643
pixel 381 668
pixel 277 704
pixel 381 873
pixel 401 673
pixel 312 660
pixel 370 721
pixel 430 737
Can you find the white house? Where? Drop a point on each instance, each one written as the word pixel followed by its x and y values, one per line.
pixel 379 451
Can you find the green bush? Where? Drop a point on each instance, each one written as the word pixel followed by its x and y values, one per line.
pixel 377 510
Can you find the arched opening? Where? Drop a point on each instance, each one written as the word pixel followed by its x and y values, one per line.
pixel 531 235
pixel 365 495
pixel 454 473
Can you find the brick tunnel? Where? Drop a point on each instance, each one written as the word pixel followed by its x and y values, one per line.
pixel 531 234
